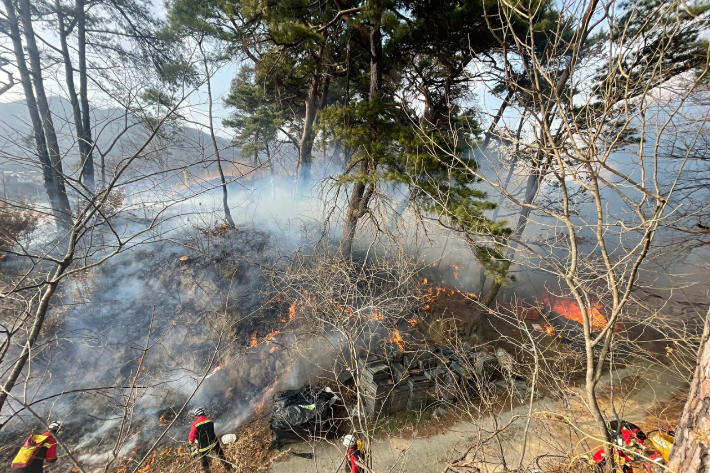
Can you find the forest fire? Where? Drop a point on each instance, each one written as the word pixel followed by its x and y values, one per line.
pixel 294 309
pixel 397 338
pixel 344 309
pixel 434 292
pixel 569 309
pixel 270 337
pixel 522 311
pixel 456 268
pixel 253 341
pixel 267 393
pixel 148 463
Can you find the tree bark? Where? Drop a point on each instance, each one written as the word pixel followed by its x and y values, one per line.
pixel 71 88
pixel 357 207
pixel 45 114
pixel 496 119
pixel 87 169
pixel 361 194
pixel 305 147
pixel 494 217
pixel 37 129
pixel 375 61
pixel 691 448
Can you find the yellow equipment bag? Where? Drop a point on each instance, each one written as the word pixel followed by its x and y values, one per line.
pixel 664 444
pixel 27 452
pixel 361 447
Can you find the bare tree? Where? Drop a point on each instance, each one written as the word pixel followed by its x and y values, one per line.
pixel 592 143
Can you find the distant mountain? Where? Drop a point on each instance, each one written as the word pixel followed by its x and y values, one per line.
pixel 177 146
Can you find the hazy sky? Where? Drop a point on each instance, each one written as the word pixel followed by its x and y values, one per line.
pixel 220 83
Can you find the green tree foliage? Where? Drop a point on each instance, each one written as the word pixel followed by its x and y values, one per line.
pixel 296 51
pixel 428 161
pixel 256 120
pixel 658 40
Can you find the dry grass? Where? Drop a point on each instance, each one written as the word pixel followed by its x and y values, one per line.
pixel 249 453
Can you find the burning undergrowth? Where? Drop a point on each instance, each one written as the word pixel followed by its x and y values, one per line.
pixel 151 328
pixel 220 315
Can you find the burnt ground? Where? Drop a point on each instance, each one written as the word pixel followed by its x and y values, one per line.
pixel 404 439
pixel 450 315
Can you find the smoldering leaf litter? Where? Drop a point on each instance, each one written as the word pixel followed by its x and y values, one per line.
pixel 187 312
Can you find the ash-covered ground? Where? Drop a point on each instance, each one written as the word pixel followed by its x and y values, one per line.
pixel 139 333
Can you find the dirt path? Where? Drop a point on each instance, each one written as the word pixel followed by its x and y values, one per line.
pixel 639 402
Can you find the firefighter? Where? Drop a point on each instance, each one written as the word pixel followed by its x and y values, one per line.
pixel 622 459
pixel 45 450
pixel 625 433
pixel 202 434
pixel 354 455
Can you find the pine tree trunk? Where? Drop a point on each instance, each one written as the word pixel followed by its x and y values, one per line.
pixel 305 156
pixel 691 448
pixel 531 188
pixel 71 88
pixel 45 115
pixel 361 194
pixel 508 178
pixel 375 61
pixel 359 200
pixel 87 169
pixel 40 142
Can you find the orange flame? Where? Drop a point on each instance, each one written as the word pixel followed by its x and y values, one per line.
pixel 456 268
pixel 268 391
pixel 434 293
pixel 183 258
pixel 148 463
pixel 253 340
pixel 270 337
pixel 294 308
pixel 273 349
pixel 413 322
pixel 569 309
pixel 397 338
pixel 377 315
pixel 344 309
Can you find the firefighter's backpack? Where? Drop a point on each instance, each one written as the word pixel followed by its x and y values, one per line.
pixel 28 451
